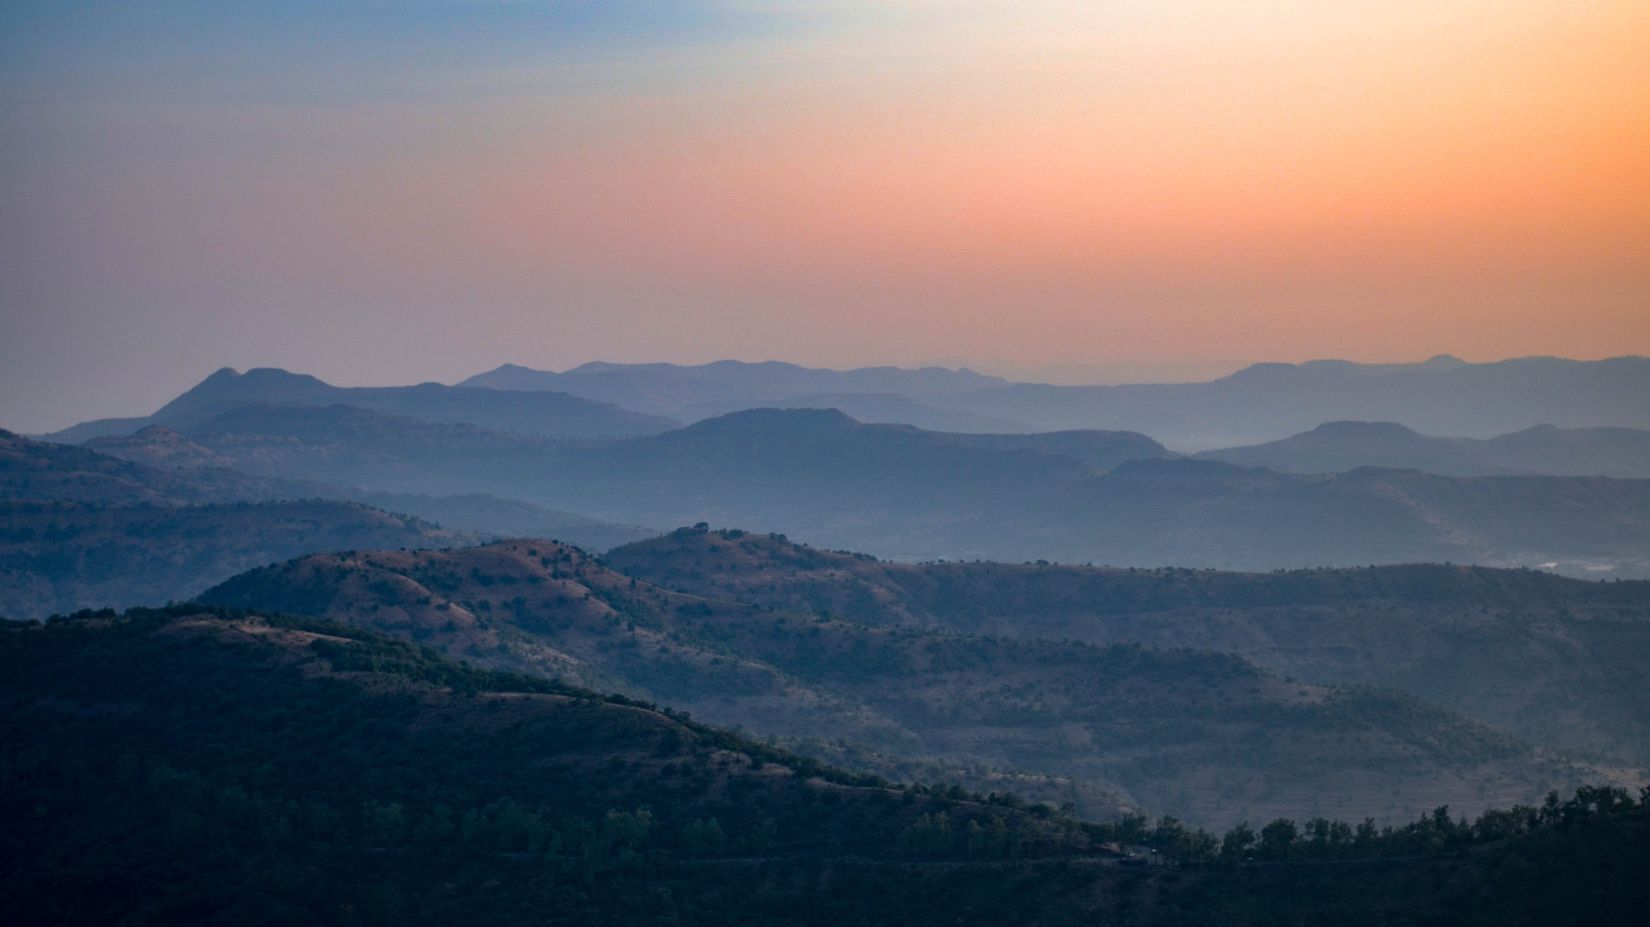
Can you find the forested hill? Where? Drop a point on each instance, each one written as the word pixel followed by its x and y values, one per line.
pixel 189 766
pixel 1205 736
pixel 1554 659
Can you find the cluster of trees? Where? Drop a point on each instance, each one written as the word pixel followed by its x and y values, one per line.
pixel 1324 839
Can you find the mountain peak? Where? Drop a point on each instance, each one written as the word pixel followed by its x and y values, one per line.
pixel 767 419
pixel 1360 429
pixel 1442 362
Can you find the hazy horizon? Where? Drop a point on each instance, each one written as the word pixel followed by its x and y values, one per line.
pixel 383 192
pixel 1066 375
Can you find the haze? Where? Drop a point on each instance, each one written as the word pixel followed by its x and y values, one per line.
pixel 382 192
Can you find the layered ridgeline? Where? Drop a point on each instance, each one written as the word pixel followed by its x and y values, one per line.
pixel 902 492
pixel 1260 403
pixel 1203 735
pixel 80 529
pixel 1555 660
pixel 1545 450
pixel 692 392
pixel 188 462
pixel 84 529
pixel 191 766
pixel 536 413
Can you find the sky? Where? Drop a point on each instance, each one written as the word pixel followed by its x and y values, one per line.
pixel 396 191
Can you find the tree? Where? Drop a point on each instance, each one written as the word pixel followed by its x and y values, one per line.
pixel 929 835
pixel 764 835
pixel 1238 841
pixel 703 837
pixel 1277 839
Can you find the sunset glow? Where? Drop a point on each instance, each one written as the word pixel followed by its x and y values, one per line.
pixel 1004 186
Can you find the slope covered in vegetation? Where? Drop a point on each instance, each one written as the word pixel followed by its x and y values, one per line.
pixel 1204 735
pixel 194 766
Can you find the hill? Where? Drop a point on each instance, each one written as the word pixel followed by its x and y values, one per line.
pixel 873 408
pixel 83 529
pixel 1210 514
pixel 194 766
pixel 60 557
pixel 1206 736
pixel 40 471
pixel 902 492
pixel 1266 402
pixel 1103 450
pixel 1339 446
pixel 1551 659
pixel 533 413
pixel 306 772
pixel 196 472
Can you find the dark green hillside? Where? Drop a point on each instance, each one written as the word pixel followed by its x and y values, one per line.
pixel 192 766
pixel 189 766
pixel 1205 736
pixel 1556 660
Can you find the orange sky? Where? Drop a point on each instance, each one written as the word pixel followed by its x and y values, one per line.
pixel 1008 186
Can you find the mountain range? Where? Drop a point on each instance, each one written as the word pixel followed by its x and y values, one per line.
pixel 1335 447
pixel 669 389
pixel 84 529
pixel 382 703
pixel 1262 402
pixel 555 414
pixel 906 493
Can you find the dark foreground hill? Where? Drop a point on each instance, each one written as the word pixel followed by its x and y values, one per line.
pixel 536 413
pixel 192 767
pixel 1202 735
pixel 1555 660
pixel 1339 446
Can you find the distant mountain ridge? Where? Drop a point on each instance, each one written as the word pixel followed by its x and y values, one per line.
pixel 534 413
pixel 1270 401
pixel 1340 446
pixel 667 389
pixel 1443 395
